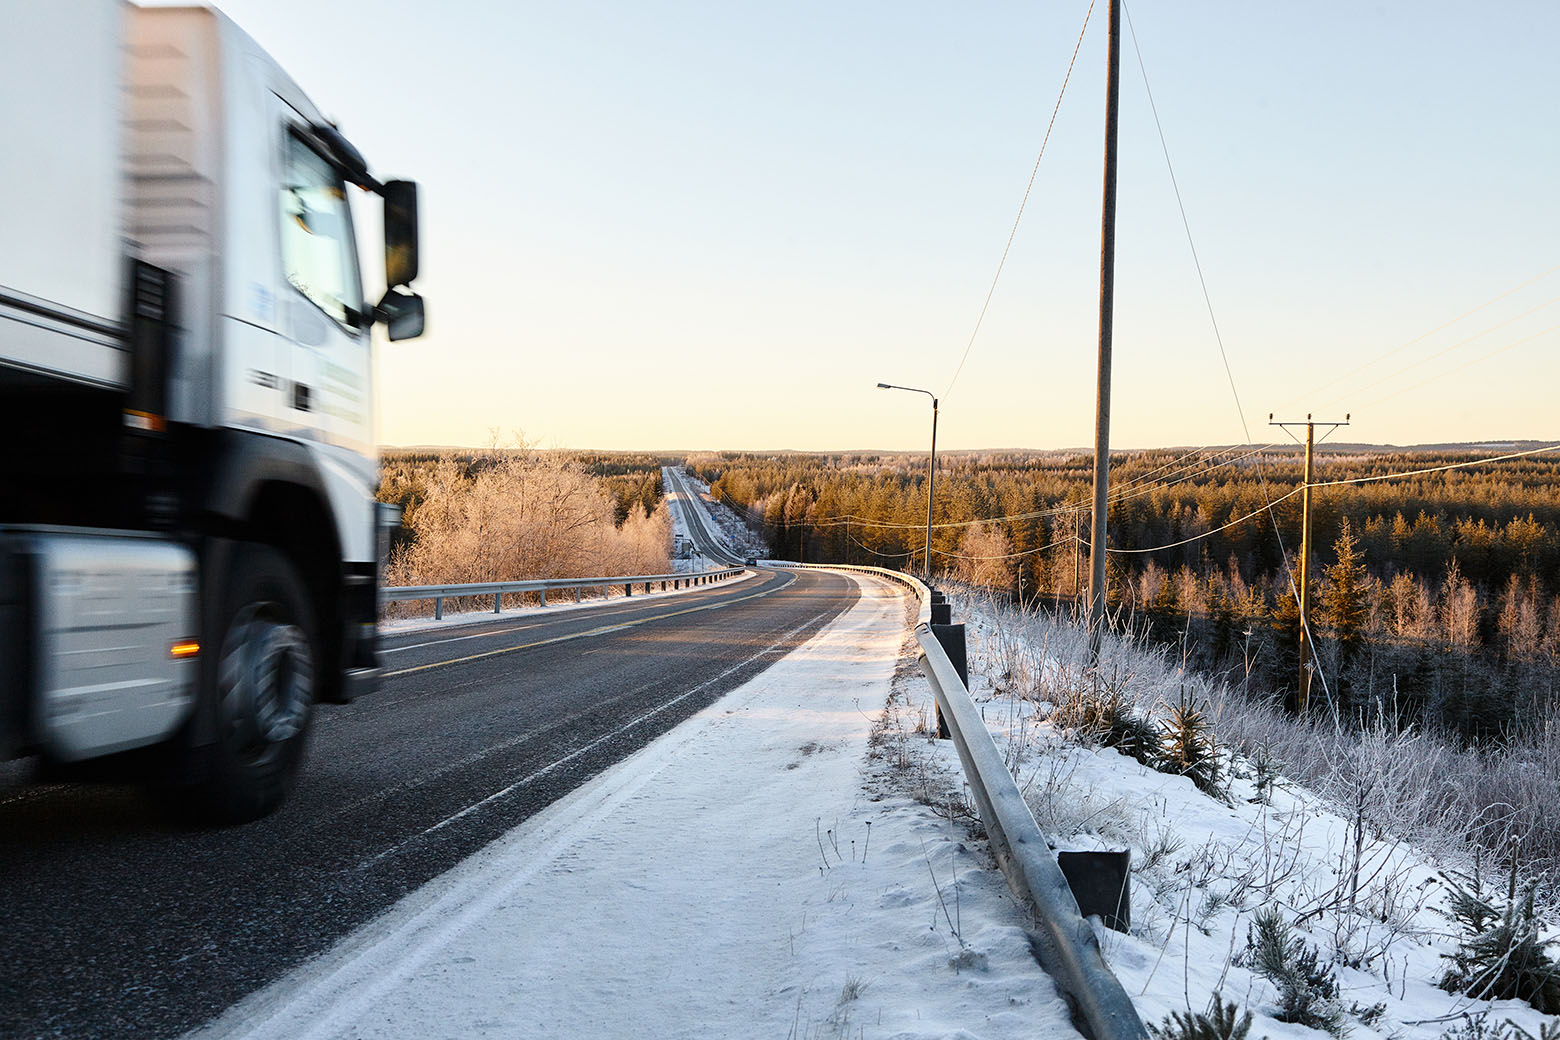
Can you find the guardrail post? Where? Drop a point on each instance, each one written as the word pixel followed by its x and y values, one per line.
pixel 1101 881
pixel 498 602
pixel 438 608
pixel 577 592
pixel 628 588
pixel 544 597
pixel 951 639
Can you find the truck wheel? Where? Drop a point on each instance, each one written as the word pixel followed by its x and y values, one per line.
pixel 257 690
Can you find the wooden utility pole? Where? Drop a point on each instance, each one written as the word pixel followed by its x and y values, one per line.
pixel 1303 689
pixel 1077 555
pixel 1107 310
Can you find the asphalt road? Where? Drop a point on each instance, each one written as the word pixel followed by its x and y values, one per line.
pixel 701 528
pixel 119 923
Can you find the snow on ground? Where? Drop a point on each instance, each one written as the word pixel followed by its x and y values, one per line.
pixel 680 530
pixel 757 872
pixel 772 868
pixel 1203 866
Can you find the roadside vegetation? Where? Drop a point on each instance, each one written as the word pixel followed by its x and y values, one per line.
pixel 512 514
pixel 1358 879
pixel 1436 597
pixel 1391 851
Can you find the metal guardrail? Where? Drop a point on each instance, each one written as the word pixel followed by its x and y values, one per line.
pixel 923 595
pixel 499 589
pixel 1064 943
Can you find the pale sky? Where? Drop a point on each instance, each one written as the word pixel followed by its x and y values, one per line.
pixel 718 225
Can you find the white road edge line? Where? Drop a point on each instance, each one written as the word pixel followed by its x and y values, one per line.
pixel 435 915
pixel 584 748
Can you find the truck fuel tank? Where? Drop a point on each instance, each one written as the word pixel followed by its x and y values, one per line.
pixel 106 658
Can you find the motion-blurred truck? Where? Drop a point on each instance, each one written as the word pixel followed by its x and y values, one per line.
pixel 188 540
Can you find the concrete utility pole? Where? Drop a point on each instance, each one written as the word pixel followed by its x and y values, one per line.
pixel 1107 311
pixel 1303 688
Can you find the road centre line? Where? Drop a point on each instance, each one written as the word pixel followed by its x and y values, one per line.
pixel 603 630
pixel 541 621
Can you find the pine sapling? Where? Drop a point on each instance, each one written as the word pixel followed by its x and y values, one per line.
pixel 1221 1022
pixel 1307 988
pixel 1502 954
pixel 1187 746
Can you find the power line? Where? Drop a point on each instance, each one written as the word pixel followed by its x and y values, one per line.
pixel 1022 203
pixel 1337 483
pixel 1439 328
pixel 1005 556
pixel 1466 364
pixel 1267 508
pixel 1438 469
pixel 1187 226
pixel 1209 534
pixel 1460 343
pixel 1136 486
pixel 877 552
pixel 1212 318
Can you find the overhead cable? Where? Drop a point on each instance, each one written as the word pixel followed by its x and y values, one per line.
pixel 1022 203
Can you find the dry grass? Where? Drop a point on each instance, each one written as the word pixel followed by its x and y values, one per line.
pixel 1391 780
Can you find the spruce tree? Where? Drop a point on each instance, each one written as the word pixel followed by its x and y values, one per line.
pixel 1344 605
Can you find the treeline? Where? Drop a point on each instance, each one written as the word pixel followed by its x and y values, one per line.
pixel 1436 594
pixel 631 479
pixel 510 514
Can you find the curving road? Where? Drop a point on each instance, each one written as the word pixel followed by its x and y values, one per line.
pixel 121 924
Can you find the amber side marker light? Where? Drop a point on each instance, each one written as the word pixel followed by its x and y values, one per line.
pixel 146 421
pixel 186 648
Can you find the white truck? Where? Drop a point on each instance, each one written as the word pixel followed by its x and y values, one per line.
pixel 188 525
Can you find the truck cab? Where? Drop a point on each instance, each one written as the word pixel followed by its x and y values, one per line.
pixel 188 542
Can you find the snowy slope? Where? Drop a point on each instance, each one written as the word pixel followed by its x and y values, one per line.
pixel 1362 898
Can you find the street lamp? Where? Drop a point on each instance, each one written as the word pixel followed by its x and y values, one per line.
pixel 931 471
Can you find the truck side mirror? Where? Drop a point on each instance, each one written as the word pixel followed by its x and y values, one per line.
pixel 402 313
pixel 400 232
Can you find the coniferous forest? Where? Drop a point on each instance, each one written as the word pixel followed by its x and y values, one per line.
pixel 1435 596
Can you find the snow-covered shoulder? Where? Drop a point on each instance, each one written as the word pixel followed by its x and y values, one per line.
pixel 751 873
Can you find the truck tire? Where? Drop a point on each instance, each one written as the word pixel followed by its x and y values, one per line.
pixel 238 758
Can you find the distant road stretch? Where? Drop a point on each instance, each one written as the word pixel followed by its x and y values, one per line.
pixel 705 536
pixel 119 923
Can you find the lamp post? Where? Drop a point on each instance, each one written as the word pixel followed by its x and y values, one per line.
pixel 931 471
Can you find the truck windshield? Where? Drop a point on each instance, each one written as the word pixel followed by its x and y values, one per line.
pixel 317 248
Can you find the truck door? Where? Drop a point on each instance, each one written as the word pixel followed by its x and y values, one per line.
pixel 328 373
